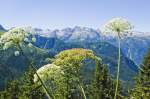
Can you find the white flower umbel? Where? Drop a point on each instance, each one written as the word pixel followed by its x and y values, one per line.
pixel 7 45
pixel 33 39
pixel 50 75
pixel 118 27
pixel 26 39
pixel 48 72
pixel 16 36
pixel 30 45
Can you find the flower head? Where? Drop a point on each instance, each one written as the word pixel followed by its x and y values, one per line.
pixel 73 55
pixel 33 39
pixel 117 25
pixel 16 36
pixel 17 53
pixel 48 72
pixel 7 45
pixel 73 58
pixel 26 39
pixel 30 45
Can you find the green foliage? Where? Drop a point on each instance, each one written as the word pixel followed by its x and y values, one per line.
pixel 102 49
pixel 103 86
pixel 69 81
pixel 142 88
pixel 12 66
pixel 1 33
pixel 16 38
pixel 107 52
pixel 50 75
pixel 72 62
pixel 118 26
pixel 23 88
pixel 70 84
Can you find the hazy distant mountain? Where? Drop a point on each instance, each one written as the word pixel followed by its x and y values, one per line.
pixel 72 34
pixel 2 30
pixel 134 46
pixel 51 42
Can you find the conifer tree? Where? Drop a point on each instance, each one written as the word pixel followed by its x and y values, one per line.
pixel 23 88
pixel 142 87
pixel 103 85
pixel 30 89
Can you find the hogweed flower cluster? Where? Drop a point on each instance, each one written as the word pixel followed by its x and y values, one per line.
pixel 48 72
pixel 117 25
pixel 55 69
pixel 17 36
pixel 75 55
pixel 17 53
pixel 120 27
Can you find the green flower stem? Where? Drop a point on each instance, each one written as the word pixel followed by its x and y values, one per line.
pixel 82 90
pixel 43 85
pixel 118 69
pixel 80 85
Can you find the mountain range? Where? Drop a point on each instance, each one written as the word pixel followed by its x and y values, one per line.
pixel 134 46
pixel 50 42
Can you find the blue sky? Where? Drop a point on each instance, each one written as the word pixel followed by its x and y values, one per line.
pixel 54 14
